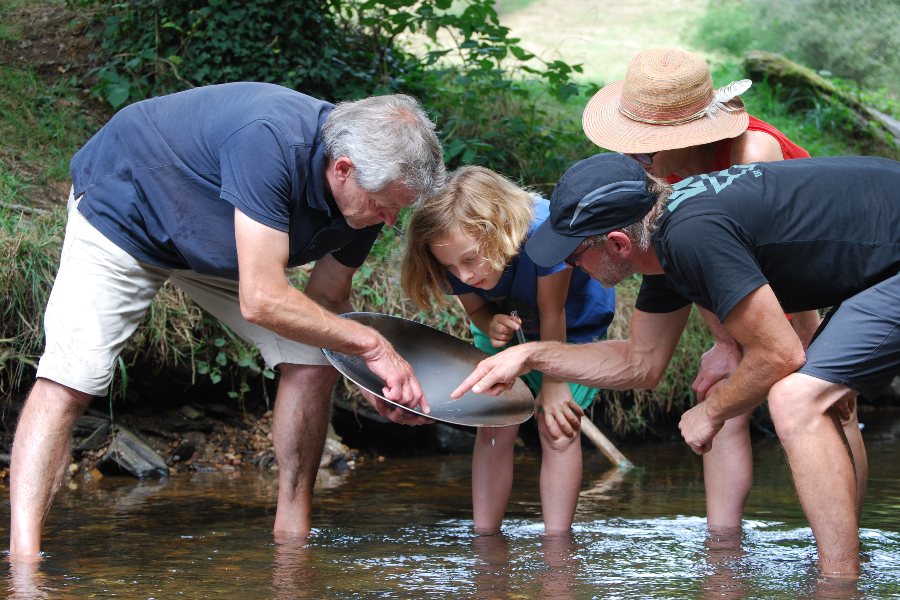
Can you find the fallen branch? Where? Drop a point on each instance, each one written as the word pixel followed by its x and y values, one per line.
pixel 26 209
pixel 606 447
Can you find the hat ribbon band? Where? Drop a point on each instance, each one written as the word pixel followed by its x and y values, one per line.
pixel 720 101
pixel 688 119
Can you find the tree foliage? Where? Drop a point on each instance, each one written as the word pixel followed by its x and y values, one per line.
pixel 333 49
pixel 857 41
pixel 496 104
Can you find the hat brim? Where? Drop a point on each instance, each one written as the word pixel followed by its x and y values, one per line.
pixel 607 127
pixel 546 248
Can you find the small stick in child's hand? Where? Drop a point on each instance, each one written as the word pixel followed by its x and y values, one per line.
pixel 515 315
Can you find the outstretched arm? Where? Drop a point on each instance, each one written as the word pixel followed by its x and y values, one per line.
pixel 268 300
pixel 638 362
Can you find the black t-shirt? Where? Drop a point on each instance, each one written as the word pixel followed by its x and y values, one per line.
pixel 818 230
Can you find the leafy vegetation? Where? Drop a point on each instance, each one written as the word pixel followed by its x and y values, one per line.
pixel 857 41
pixel 821 129
pixel 492 105
pixel 158 47
pixel 344 49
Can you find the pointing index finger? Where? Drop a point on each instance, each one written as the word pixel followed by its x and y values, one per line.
pixel 469 383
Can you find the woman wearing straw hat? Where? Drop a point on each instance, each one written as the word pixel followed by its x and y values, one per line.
pixel 667 115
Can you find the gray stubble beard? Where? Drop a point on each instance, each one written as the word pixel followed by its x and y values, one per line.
pixel 610 274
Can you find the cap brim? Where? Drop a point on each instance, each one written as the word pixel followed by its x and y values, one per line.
pixel 607 127
pixel 546 248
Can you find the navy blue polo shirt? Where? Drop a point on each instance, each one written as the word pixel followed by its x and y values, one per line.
pixel 162 179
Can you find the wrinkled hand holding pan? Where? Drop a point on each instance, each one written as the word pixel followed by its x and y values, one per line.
pixel 441 362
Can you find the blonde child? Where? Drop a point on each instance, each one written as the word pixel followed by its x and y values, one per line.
pixel 468 241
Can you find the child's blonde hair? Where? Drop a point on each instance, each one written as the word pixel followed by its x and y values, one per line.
pixel 478 202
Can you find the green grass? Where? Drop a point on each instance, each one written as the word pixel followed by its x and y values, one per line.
pixel 813 131
pixel 857 41
pixel 42 126
pixel 602 35
pixel 10 31
pixel 508 7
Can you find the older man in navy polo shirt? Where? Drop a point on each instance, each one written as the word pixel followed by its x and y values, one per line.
pixel 219 189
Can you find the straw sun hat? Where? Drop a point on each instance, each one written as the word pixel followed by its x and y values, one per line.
pixel 666 101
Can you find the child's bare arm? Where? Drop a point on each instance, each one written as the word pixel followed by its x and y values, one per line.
pixel 479 310
pixel 487 317
pixel 552 291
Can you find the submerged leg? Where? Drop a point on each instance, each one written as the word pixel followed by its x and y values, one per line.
pixel 302 409
pixel 492 476
pixel 40 454
pixel 728 473
pixel 860 461
pixel 805 417
pixel 560 478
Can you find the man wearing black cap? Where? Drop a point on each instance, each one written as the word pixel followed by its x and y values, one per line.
pixel 749 244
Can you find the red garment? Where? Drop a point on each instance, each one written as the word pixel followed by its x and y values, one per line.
pixel 722 151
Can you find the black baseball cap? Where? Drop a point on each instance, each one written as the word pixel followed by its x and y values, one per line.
pixel 597 195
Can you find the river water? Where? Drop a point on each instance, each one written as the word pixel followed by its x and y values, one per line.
pixel 402 529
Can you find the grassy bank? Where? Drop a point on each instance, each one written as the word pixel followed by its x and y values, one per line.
pixel 523 129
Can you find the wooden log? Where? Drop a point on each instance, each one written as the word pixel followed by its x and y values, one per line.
pixel 606 447
pixel 802 85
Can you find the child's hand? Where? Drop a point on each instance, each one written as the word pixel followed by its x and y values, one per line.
pixel 502 328
pixel 561 414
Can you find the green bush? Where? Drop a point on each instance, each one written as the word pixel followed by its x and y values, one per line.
pixel 858 41
pixel 154 47
pixel 332 49
pixel 493 109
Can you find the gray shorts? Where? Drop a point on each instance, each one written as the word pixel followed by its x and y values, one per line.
pixel 100 296
pixel 858 342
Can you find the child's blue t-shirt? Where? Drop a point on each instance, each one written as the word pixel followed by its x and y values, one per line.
pixel 589 306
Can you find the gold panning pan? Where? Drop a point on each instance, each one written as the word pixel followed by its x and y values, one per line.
pixel 441 362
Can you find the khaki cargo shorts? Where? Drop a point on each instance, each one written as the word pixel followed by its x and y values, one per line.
pixel 100 296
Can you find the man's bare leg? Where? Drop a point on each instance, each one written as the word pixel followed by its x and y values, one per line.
pixel 805 417
pixel 860 461
pixel 728 473
pixel 41 451
pixel 302 409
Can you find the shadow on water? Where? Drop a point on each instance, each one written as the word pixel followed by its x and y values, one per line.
pixel 403 529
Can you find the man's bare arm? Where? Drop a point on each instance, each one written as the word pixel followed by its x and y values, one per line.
pixel 805 325
pixel 772 351
pixel 718 362
pixel 638 362
pixel 268 300
pixel 329 285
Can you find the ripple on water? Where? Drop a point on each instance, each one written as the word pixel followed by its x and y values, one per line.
pixel 403 530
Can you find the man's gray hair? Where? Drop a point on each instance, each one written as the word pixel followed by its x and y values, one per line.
pixel 641 231
pixel 388 138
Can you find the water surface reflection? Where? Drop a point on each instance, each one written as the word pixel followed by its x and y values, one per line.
pixel 402 529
